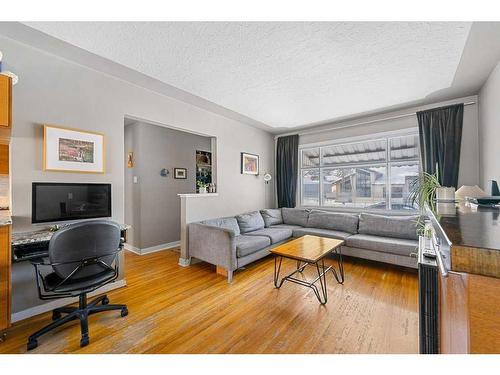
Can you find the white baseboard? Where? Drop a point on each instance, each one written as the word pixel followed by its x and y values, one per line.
pixel 163 246
pixel 153 249
pixel 133 249
pixel 32 311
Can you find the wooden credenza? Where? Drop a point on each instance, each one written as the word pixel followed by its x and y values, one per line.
pixel 468 244
pixel 469 314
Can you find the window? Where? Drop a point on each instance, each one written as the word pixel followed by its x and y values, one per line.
pixel 310 187
pixel 360 174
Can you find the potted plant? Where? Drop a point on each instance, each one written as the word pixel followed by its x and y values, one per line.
pixel 202 187
pixel 423 193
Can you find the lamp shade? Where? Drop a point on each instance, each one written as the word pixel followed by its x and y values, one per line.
pixel 470 191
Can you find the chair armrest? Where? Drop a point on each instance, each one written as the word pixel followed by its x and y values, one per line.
pixel 213 245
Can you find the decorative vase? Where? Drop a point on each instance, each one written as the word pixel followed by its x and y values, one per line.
pixel 202 190
pixel 445 194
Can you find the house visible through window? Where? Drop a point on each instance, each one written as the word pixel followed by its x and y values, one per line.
pixel 360 174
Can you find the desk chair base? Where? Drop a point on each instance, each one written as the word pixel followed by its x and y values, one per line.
pixel 82 313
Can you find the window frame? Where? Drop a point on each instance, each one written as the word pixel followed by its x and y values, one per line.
pixel 387 163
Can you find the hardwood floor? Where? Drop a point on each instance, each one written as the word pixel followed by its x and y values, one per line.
pixel 192 310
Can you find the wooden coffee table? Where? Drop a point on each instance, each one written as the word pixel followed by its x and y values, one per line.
pixel 309 250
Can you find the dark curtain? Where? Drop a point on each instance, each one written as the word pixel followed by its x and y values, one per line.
pixel 440 132
pixel 287 165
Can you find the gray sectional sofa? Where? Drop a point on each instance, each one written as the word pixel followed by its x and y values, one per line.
pixel 233 242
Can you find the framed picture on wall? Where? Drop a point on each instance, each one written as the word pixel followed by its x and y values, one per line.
pixel 180 173
pixel 249 164
pixel 72 150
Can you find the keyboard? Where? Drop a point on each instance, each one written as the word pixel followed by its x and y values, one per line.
pixel 31 250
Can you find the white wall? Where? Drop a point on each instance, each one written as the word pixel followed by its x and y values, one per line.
pixel 489 129
pixel 469 155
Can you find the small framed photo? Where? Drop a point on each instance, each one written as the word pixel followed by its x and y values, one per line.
pixel 249 164
pixel 180 173
pixel 71 150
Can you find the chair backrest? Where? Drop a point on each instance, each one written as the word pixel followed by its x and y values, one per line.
pixel 86 240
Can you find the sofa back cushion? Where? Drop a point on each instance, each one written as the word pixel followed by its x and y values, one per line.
pixel 271 216
pixel 389 226
pixel 334 221
pixel 295 216
pixel 225 223
pixel 250 221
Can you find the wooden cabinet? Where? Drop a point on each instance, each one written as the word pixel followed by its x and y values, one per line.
pixel 453 314
pixel 5 241
pixel 5 280
pixel 4 159
pixel 5 101
pixel 469 314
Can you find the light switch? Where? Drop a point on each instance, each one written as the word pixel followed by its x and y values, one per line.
pixel 135 179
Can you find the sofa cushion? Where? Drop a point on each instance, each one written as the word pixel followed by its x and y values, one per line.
pixel 246 245
pixel 389 226
pixel 275 234
pixel 224 222
pixel 339 235
pixel 333 220
pixel 272 216
pixel 398 246
pixel 287 226
pixel 295 216
pixel 250 221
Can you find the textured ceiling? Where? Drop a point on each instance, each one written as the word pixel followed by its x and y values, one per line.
pixel 283 74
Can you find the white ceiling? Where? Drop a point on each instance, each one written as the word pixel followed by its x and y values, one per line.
pixel 283 74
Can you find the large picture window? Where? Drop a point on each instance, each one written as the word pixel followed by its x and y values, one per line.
pixel 375 173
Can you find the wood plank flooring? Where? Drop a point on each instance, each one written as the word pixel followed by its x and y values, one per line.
pixel 173 309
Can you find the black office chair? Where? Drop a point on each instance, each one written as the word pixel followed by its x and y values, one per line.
pixel 82 258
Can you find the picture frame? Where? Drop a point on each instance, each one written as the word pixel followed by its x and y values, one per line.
pixel 180 173
pixel 249 164
pixel 73 150
pixel 130 160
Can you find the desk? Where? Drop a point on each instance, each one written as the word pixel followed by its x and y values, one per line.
pixel 31 245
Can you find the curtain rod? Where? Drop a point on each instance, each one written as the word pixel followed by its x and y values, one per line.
pixel 305 132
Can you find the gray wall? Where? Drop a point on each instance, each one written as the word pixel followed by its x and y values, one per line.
pixel 154 198
pixel 469 156
pixel 56 91
pixel 489 129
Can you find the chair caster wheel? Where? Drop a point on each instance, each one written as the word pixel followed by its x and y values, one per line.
pixel 105 301
pixel 84 341
pixel 124 312
pixel 56 315
pixel 32 344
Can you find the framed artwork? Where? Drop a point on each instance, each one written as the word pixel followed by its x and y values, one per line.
pixel 180 173
pixel 203 158
pixel 71 150
pixel 203 167
pixel 130 160
pixel 249 164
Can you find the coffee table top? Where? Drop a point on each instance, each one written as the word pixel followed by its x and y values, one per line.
pixel 307 248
